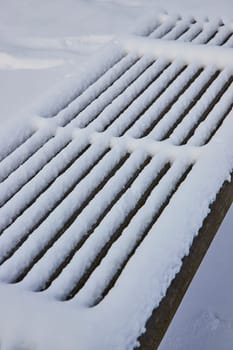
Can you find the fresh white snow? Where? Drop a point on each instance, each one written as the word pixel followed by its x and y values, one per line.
pixel 55 50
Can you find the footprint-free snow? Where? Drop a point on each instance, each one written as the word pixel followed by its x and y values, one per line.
pixel 103 192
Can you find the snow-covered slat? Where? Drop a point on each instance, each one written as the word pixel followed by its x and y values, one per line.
pixel 180 29
pixel 221 36
pixel 108 96
pixel 111 226
pixel 201 108
pixel 96 89
pixel 188 29
pixel 208 127
pixel 149 28
pixel 174 49
pixel 33 165
pixel 47 182
pixel 126 239
pixel 144 102
pixel 163 29
pixel 60 216
pixel 24 134
pixel 229 42
pixel 67 93
pixel 190 34
pixel 180 108
pixel 209 31
pixel 105 275
pixel 64 248
pixel 129 96
pixel 149 119
pixel 23 152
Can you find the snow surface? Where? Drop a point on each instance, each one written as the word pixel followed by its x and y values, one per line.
pixel 40 45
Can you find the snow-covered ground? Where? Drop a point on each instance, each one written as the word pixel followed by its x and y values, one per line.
pixel 205 317
pixel 42 43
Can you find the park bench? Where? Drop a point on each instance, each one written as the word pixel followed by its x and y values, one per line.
pixel 113 187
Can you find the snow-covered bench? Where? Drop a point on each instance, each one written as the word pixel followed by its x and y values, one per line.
pixel 113 188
